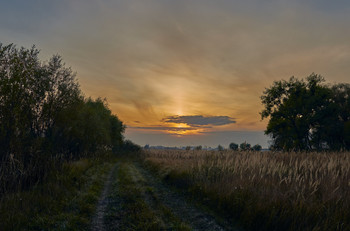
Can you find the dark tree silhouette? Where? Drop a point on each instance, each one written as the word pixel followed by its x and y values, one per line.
pixel 44 117
pixel 220 148
pixel 257 147
pixel 233 146
pixel 199 147
pixel 307 114
pixel 244 146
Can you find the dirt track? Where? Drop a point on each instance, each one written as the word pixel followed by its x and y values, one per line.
pixel 133 199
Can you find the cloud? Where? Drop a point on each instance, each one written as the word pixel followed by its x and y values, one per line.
pixel 157 58
pixel 199 120
pixel 144 108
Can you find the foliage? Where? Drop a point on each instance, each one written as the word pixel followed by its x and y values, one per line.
pixel 129 146
pixel 307 114
pixel 257 147
pixel 220 148
pixel 244 146
pixel 66 200
pixel 44 118
pixel 233 146
pixel 86 129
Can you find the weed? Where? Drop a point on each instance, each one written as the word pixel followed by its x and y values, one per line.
pixel 264 191
pixel 65 201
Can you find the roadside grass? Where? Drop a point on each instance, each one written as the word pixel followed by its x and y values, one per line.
pixel 263 191
pixel 65 201
pixel 166 213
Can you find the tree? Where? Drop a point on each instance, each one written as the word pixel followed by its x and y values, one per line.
pixel 44 116
pixel 292 107
pixel 129 146
pixel 199 147
pixel 245 146
pixel 220 148
pixel 233 146
pixel 257 147
pixel 32 94
pixel 335 129
pixel 306 114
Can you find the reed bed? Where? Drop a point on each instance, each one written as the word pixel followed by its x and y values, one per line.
pixel 264 190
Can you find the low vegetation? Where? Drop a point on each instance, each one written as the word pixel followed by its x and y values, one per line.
pixel 139 201
pixel 263 190
pixel 128 210
pixel 65 201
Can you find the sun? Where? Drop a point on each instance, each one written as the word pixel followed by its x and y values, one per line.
pixel 182 125
pixel 182 129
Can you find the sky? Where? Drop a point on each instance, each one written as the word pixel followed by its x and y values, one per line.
pixel 185 72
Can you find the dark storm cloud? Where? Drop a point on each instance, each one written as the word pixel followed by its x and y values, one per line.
pixel 199 120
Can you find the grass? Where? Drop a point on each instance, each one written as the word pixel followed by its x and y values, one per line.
pixel 129 212
pixel 65 201
pixel 264 191
pixel 130 209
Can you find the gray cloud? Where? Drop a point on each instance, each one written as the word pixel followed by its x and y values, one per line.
pixel 199 120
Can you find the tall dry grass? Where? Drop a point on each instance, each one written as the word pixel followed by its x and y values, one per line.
pixel 265 190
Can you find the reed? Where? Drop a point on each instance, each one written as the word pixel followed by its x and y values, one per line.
pixel 264 190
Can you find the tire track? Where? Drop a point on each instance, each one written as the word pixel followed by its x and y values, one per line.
pixel 134 199
pixel 98 223
pixel 177 204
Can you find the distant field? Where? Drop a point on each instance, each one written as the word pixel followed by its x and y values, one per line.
pixel 263 190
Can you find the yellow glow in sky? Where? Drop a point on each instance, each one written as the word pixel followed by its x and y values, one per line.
pixel 157 59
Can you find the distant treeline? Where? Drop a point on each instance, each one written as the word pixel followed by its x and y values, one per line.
pixel 307 114
pixel 233 146
pixel 45 119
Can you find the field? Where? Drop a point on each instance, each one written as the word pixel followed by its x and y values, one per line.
pixel 263 190
pixel 188 190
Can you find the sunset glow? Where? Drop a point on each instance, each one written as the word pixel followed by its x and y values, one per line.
pixel 201 64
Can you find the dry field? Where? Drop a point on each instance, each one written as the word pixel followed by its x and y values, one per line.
pixel 264 190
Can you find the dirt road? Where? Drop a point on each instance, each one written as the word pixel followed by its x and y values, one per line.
pixel 133 199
